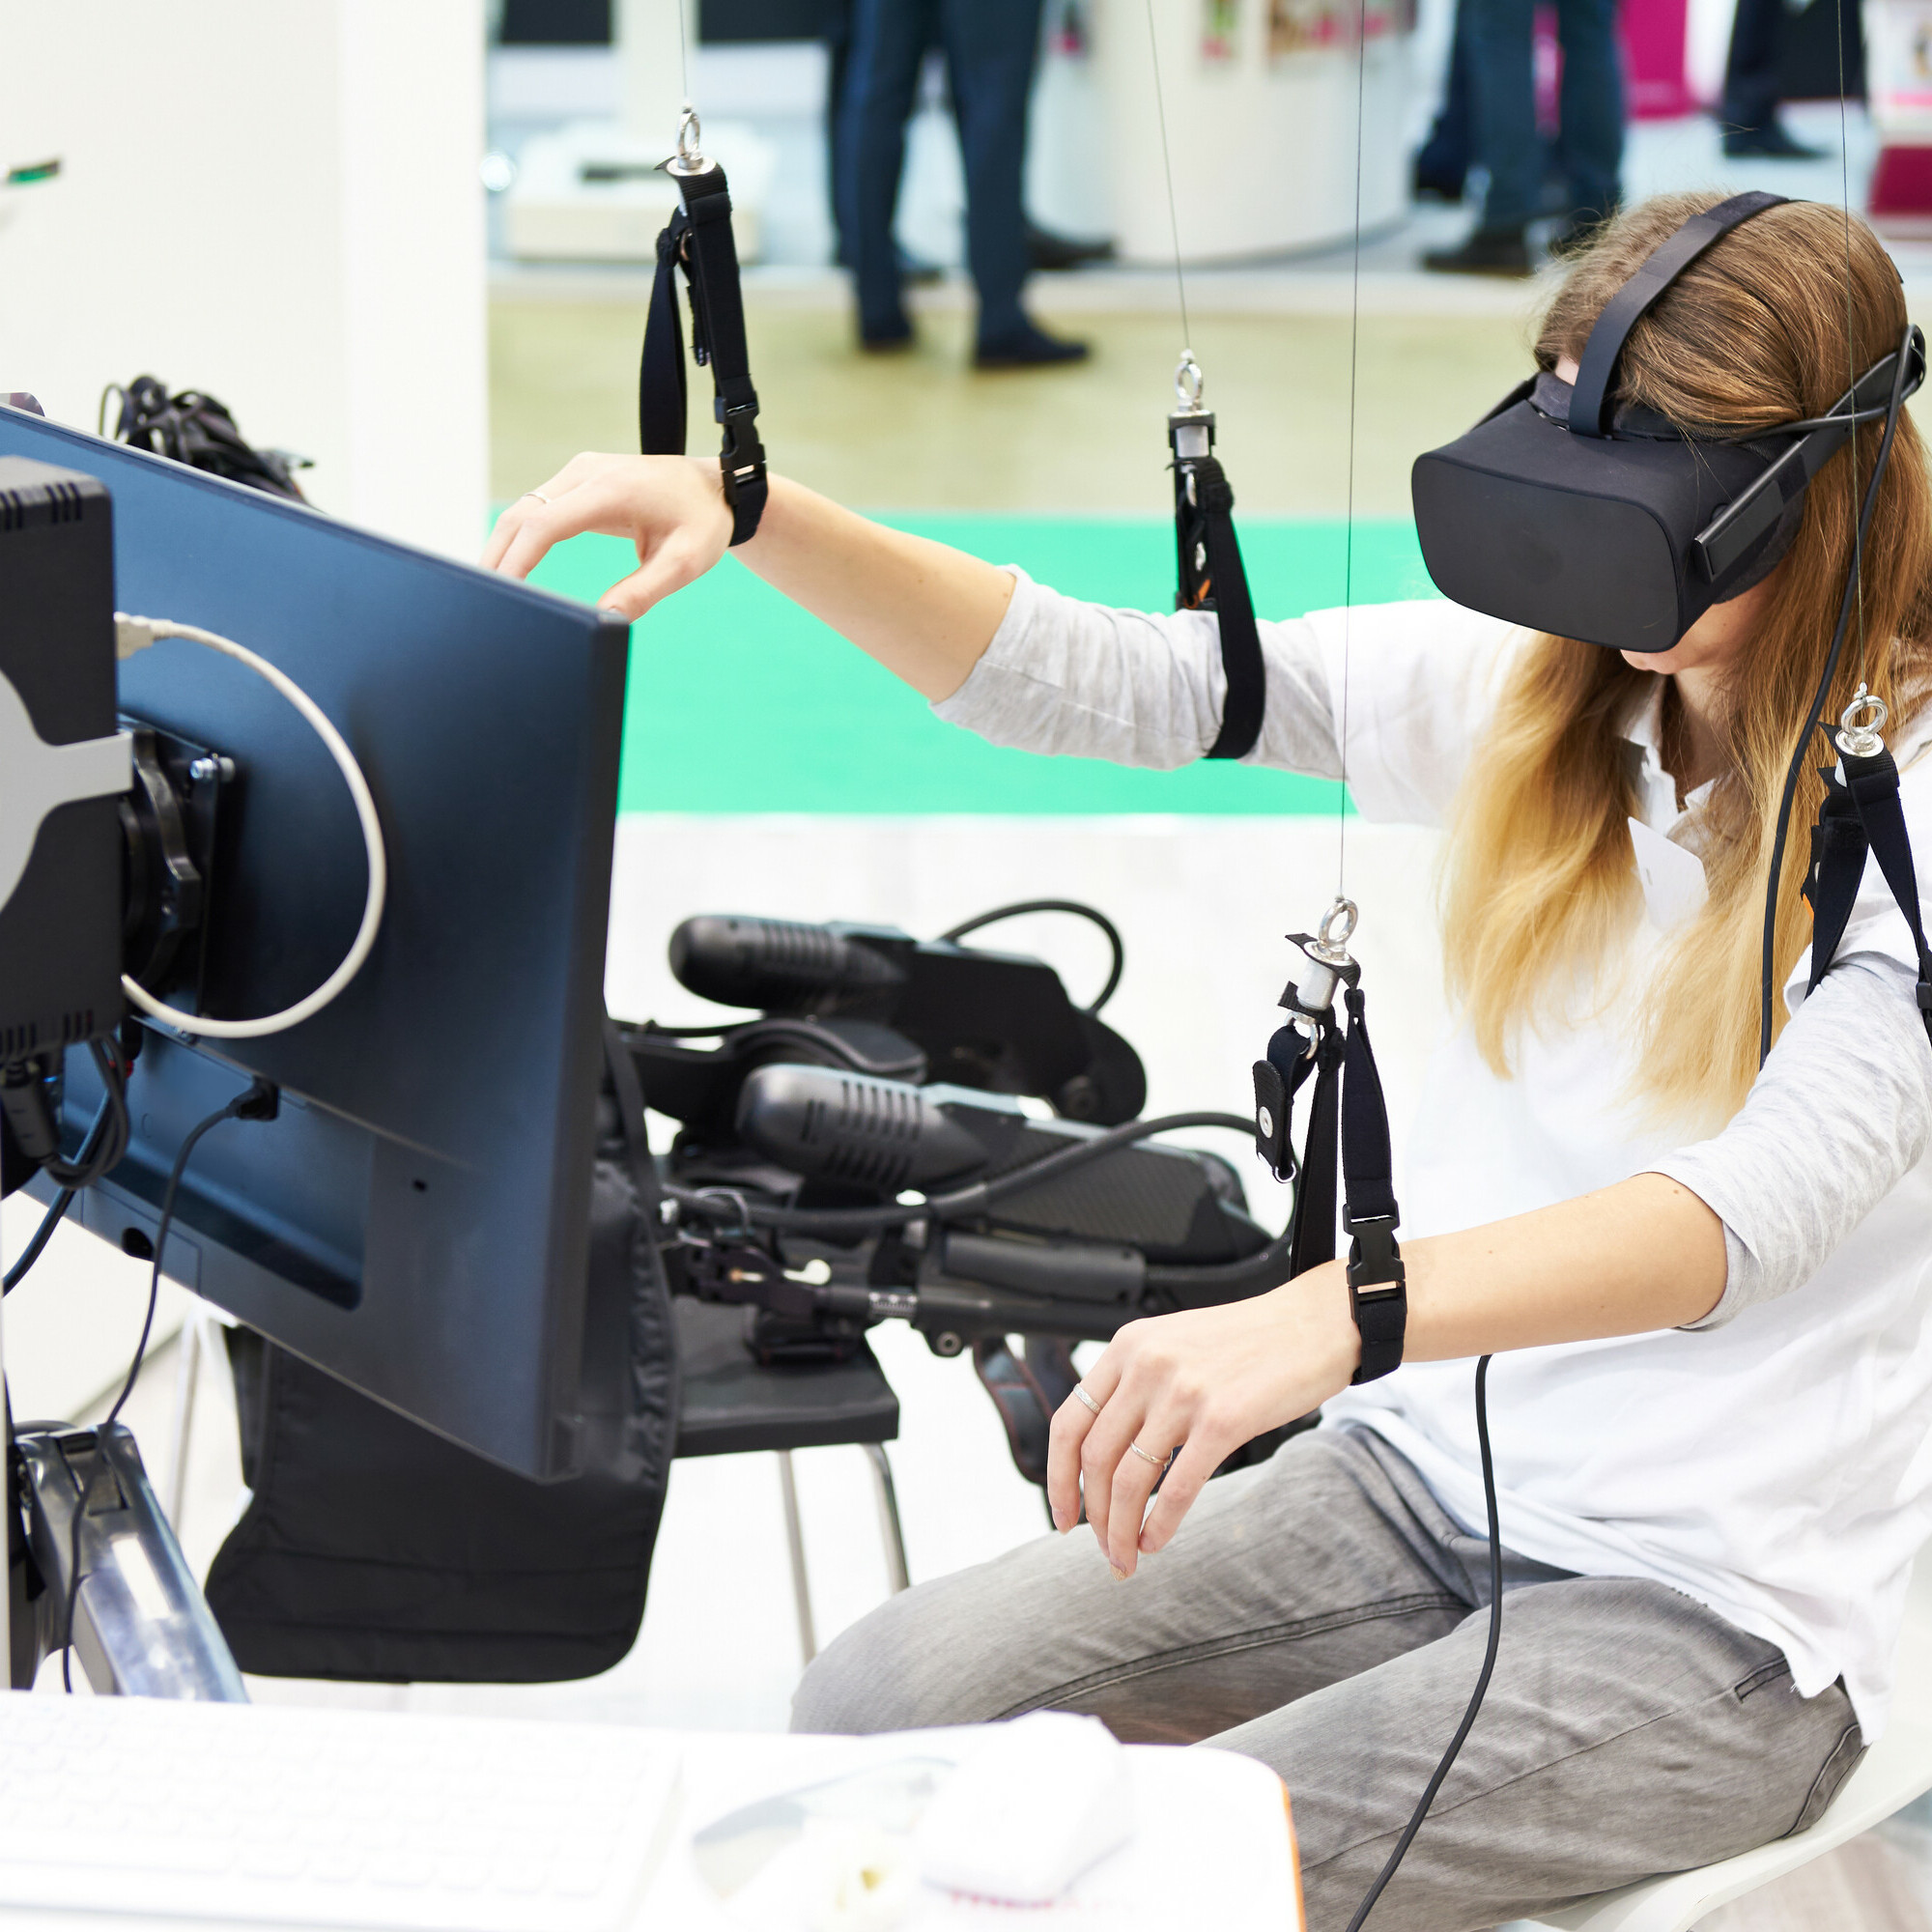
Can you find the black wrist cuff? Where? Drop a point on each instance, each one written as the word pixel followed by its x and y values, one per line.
pixel 1377 1296
pixel 742 463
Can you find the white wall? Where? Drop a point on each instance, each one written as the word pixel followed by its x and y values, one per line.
pixel 274 200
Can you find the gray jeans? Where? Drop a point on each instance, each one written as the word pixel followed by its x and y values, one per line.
pixel 1324 1614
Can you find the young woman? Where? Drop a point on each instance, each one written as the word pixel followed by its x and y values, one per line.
pixel 1708 1285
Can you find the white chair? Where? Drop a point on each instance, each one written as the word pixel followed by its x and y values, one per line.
pixel 1895 1771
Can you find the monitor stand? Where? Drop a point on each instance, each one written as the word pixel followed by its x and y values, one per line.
pixel 141 1626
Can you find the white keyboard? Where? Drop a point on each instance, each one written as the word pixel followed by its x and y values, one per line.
pixel 289 1815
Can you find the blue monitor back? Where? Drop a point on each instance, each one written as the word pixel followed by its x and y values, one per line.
pixel 415 1220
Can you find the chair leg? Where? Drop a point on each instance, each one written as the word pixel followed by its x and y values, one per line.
pixel 801 1586
pixel 890 1532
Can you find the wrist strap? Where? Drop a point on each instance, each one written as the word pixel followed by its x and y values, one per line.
pixel 1377 1296
pixel 1348 1108
pixel 699 240
pixel 1213 577
pixel 1377 1281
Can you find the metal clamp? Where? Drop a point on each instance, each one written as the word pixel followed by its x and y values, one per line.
pixel 1188 381
pixel 1862 741
pixel 1310 997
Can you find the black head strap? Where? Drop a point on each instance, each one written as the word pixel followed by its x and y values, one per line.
pixel 1590 400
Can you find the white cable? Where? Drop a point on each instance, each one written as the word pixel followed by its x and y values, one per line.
pixel 136 634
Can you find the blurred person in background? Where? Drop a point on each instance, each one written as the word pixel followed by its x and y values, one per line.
pixel 1497 41
pixel 1047 251
pixel 992 48
pixel 1440 170
pixel 1753 87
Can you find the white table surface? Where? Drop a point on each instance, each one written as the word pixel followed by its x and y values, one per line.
pixel 1185 1797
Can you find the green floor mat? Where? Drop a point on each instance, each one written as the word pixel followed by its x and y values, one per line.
pixel 739 701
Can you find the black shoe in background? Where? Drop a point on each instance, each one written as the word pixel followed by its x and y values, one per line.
pixel 1577 230
pixel 1489 251
pixel 1427 183
pixel 1049 253
pixel 1773 142
pixel 891 341
pixel 1027 348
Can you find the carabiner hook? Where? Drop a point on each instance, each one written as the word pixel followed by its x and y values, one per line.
pixel 690 157
pixel 1188 381
pixel 1862 741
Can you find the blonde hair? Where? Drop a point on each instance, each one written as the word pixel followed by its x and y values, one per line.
pixel 1540 884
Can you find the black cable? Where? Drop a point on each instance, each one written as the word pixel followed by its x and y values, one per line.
pixel 1421 1811
pixel 235 1109
pixel 65 1198
pixel 86 1167
pixel 962 1200
pixel 1768 958
pixel 42 1234
pixel 811 1033
pixel 1259 1271
pixel 1078 911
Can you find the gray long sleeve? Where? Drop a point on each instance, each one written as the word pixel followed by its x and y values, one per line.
pixel 1412 683
pixel 1840 1112
pixel 1083 680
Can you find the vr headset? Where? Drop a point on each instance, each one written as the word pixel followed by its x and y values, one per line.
pixel 1619 527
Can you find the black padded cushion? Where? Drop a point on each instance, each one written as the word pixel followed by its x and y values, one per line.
pixel 732 1405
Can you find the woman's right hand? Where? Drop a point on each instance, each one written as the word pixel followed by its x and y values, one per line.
pixel 671 508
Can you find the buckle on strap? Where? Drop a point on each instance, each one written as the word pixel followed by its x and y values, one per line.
pixel 1376 1268
pixel 741 464
pixel 1377 1295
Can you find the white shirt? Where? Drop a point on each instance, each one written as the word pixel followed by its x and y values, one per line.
pixel 1771 1462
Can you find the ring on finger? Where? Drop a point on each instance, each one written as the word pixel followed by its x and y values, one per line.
pixel 1080 1390
pixel 1159 1461
pixel 538 494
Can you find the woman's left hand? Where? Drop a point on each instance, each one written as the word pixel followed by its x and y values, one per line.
pixel 1204 1383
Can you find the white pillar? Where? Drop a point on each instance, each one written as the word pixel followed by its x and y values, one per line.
pixel 275 202
pixel 1261 131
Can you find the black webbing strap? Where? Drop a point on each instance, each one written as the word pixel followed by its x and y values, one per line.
pixel 1862 815
pixel 1378 1282
pixel 1213 578
pixel 1348 1127
pixel 1590 400
pixel 699 240
pixel 1313 1231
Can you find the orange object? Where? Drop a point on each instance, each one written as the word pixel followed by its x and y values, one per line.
pixel 1295 1863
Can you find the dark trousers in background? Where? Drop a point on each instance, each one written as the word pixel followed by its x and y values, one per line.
pixel 1498 36
pixel 1753 82
pixel 1443 162
pixel 991 47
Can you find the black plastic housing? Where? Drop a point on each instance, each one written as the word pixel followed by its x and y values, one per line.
pixel 1585 537
pixel 1000 1021
pixel 60 929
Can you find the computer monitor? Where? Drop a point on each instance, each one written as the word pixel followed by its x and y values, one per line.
pixel 415 1218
